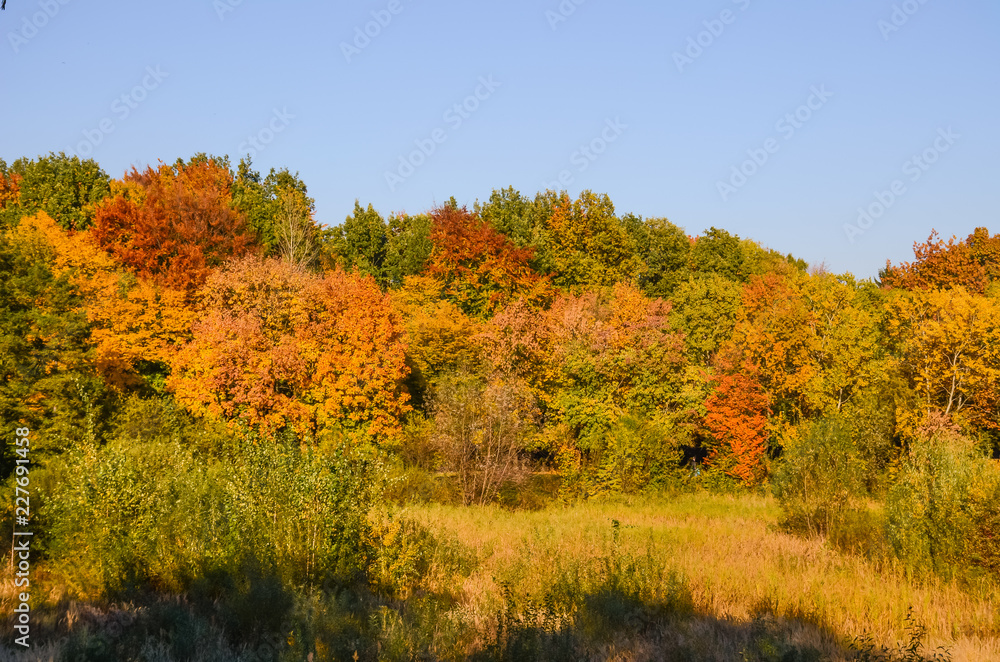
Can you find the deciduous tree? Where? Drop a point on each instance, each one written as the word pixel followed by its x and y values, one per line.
pixel 183 227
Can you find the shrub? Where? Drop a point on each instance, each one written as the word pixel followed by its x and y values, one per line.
pixel 818 480
pixel 154 515
pixel 941 513
pixel 481 431
pixel 631 454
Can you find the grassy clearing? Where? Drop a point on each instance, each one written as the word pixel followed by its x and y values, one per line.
pixel 739 568
pixel 697 577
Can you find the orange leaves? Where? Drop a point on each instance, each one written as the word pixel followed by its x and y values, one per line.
pixel 737 418
pixel 10 190
pixel 969 263
pixel 278 347
pixel 480 268
pixel 182 225
pixel 774 339
pixel 132 321
pixel 621 347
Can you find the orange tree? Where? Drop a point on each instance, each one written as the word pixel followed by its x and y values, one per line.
pixel 970 263
pixel 135 324
pixel 478 267
pixel 277 347
pixel 173 224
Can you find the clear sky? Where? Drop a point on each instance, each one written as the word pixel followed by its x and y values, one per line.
pixel 662 120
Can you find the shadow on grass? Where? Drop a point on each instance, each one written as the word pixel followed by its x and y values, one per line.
pixel 256 618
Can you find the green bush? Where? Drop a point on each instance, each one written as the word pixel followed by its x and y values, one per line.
pixel 941 513
pixel 154 515
pixel 818 478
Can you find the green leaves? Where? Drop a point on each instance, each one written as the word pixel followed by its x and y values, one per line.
pixel 64 187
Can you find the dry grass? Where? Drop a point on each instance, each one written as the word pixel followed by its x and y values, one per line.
pixel 737 564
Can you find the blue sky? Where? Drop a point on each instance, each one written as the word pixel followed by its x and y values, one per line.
pixel 663 119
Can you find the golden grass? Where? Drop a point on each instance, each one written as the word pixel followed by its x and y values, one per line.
pixel 736 562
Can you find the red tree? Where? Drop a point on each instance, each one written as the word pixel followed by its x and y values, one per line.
pixel 737 418
pixel 180 228
pixel 480 268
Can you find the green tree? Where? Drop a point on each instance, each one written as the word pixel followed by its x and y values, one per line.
pixel 45 379
pixel 279 211
pixel 706 307
pixel 65 187
pixel 666 250
pixel 588 244
pixel 409 247
pixel 362 242
pixel 717 251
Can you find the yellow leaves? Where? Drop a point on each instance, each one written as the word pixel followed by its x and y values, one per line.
pixel 276 347
pixel 132 320
pixel 949 344
pixel 439 334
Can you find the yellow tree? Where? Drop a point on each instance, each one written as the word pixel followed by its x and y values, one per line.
pixel 133 321
pixel 589 244
pixel 845 346
pixel 949 342
pixel 775 341
pixel 440 337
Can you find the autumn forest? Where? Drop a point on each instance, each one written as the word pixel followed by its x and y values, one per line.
pixel 538 427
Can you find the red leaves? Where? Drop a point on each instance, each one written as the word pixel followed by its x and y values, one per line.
pixel 10 190
pixel 737 418
pixel 183 227
pixel 480 268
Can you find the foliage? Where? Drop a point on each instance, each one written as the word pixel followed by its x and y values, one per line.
pixel 362 243
pixel 737 420
pixel 135 324
pixel 971 263
pixel 278 347
pixel 150 514
pixel 949 344
pixel 409 247
pixel 705 309
pixel 941 510
pixel 481 430
pixel 666 251
pixel 183 226
pixel 588 244
pixel 66 188
pixel 440 337
pixel 279 213
pixel 46 380
pixel 819 477
pixel 479 269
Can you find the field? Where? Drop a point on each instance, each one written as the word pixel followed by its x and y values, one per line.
pixel 690 577
pixel 749 583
